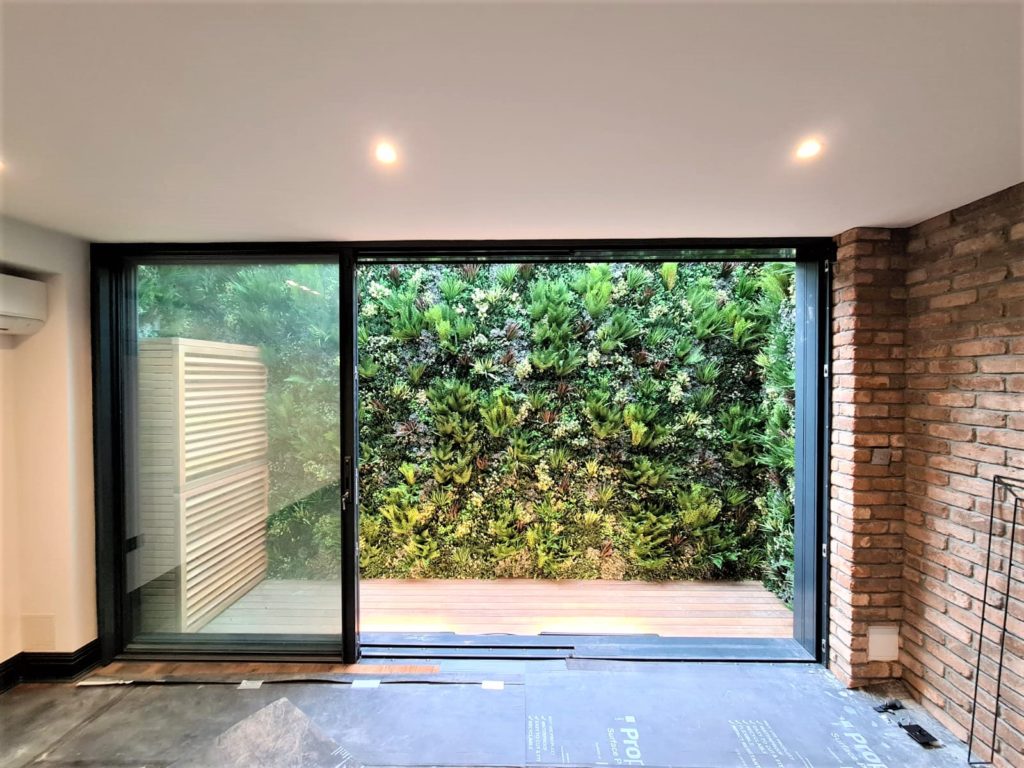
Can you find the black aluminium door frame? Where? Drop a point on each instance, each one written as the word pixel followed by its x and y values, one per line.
pixel 113 268
pixel 813 258
pixel 113 307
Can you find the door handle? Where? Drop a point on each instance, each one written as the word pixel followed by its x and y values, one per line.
pixel 346 493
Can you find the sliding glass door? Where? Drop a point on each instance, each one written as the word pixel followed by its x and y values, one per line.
pixel 220 397
pixel 235 510
pixel 227 438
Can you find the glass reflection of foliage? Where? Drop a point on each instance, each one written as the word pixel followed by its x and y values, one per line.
pixel 291 313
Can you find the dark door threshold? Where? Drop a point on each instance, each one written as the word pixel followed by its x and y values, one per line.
pixel 396 645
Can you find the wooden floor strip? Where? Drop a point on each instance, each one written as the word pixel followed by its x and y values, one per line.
pixel 148 671
pixel 514 606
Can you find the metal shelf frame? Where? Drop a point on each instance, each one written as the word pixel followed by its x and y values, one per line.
pixel 1007 493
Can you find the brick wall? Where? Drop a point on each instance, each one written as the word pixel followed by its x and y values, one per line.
pixel 869 315
pixel 928 404
pixel 964 423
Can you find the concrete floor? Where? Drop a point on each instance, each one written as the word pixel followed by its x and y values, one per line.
pixel 544 713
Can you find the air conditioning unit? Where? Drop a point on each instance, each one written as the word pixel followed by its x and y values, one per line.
pixel 22 305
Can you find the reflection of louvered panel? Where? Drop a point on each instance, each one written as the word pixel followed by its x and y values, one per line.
pixel 156 481
pixel 225 412
pixel 202 478
pixel 225 535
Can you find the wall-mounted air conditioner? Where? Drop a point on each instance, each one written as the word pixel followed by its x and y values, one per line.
pixel 22 305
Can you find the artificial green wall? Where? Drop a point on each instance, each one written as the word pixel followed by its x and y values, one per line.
pixel 583 421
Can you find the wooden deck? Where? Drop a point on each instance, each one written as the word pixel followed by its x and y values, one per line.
pixel 515 606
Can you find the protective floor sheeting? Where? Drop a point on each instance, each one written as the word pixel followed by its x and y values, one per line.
pixel 726 715
pixel 278 734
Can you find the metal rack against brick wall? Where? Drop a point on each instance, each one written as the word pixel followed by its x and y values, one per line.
pixel 999 670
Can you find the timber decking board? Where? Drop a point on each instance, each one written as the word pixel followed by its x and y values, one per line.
pixel 514 606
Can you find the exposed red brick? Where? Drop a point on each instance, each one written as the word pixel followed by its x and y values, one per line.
pixel 867 433
pixel 978 348
pixel 956 299
pixel 950 403
pixel 980 244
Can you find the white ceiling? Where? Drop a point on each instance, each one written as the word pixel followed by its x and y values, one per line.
pixel 238 121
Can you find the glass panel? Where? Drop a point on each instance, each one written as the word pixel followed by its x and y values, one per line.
pixel 235 520
pixel 578 448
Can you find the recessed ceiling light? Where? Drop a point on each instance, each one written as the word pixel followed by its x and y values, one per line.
pixel 386 153
pixel 809 148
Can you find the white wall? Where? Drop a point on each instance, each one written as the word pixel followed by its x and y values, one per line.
pixel 10 562
pixel 47 566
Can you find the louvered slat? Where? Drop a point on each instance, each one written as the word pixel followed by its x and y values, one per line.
pixel 202 476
